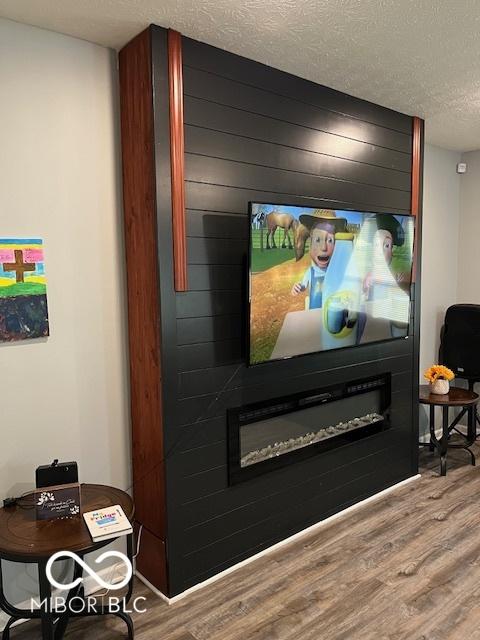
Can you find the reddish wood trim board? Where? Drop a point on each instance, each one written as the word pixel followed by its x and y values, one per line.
pixel 416 180
pixel 140 221
pixel 416 152
pixel 177 159
pixel 151 561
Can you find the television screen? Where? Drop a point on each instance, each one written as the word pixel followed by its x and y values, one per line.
pixel 325 279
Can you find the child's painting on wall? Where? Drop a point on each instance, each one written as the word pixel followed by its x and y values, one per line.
pixel 324 279
pixel 23 290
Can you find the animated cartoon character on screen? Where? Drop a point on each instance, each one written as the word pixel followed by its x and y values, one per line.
pixel 321 227
pixel 388 233
pixel 383 285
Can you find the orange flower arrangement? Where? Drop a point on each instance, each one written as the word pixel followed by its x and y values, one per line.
pixel 438 372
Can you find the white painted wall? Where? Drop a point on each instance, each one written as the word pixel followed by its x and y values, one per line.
pixel 64 397
pixel 440 251
pixel 468 289
pixel 469 238
pixel 440 248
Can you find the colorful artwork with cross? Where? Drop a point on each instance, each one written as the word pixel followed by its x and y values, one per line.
pixel 23 289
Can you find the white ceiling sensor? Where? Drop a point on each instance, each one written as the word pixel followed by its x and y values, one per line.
pixel 462 167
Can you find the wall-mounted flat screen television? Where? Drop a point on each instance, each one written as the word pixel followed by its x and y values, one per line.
pixel 325 279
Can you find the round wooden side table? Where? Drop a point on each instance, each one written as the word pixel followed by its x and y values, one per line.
pixel 25 539
pixel 456 397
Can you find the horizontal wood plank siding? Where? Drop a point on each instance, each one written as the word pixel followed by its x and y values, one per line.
pixel 253 133
pixel 214 88
pixel 279 156
pixel 211 115
pixel 241 544
pixel 200 169
pixel 247 72
pixel 205 196
pixel 238 519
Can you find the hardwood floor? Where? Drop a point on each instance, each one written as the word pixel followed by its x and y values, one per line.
pixel 404 567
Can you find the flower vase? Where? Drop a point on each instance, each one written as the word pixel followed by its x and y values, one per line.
pixel 440 387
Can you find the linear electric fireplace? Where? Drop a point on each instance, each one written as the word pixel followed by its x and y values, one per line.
pixel 268 435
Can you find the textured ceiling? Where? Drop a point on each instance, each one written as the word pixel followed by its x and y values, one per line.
pixel 420 57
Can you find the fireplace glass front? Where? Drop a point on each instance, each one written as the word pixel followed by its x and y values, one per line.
pixel 268 435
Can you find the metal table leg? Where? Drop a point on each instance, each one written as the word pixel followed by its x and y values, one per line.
pixel 432 427
pixel 466 441
pixel 122 614
pixel 444 442
pixel 63 619
pixel 12 611
pixel 48 625
pixel 6 629
pixel 472 431
pixel 130 550
pixel 440 445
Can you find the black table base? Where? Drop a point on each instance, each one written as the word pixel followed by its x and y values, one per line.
pixel 443 444
pixel 55 623
pixel 471 387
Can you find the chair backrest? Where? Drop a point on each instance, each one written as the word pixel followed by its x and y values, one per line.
pixel 460 340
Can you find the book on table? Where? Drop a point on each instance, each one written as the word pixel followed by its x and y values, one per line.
pixel 108 523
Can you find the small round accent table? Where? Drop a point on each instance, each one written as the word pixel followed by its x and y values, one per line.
pixel 456 397
pixel 25 539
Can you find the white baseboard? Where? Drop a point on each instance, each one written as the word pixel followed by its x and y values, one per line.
pixel 157 592
pixel 278 545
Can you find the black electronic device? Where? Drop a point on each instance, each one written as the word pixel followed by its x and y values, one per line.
pixel 460 341
pixel 56 473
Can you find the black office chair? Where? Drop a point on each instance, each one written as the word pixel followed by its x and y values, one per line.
pixel 460 347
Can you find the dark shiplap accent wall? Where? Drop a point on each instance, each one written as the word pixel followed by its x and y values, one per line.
pixel 255 133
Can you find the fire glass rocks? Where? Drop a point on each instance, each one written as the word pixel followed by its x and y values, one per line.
pixel 279 448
